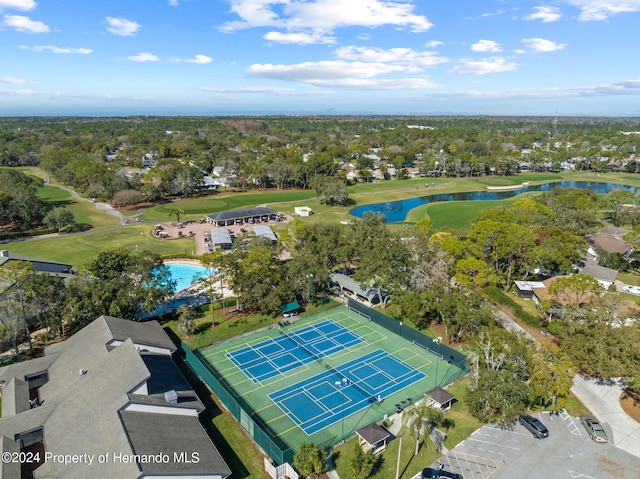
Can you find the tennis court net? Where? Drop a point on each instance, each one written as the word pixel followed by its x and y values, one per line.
pixel 293 339
pixel 349 382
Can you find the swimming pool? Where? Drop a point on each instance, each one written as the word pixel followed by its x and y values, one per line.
pixel 186 274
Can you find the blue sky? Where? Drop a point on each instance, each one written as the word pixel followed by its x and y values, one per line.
pixel 220 57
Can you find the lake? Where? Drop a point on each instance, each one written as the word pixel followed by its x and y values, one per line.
pixel 396 211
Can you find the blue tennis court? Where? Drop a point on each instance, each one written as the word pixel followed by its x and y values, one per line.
pixel 326 398
pixel 292 349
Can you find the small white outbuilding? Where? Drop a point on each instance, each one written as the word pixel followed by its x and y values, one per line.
pixel 303 211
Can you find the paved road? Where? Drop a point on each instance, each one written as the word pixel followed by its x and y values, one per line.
pixel 603 400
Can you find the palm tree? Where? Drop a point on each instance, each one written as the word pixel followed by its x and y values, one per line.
pixel 177 212
pixel 420 419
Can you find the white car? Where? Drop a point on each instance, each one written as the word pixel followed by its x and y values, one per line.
pixel 631 289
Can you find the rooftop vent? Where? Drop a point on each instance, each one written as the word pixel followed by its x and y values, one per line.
pixel 171 396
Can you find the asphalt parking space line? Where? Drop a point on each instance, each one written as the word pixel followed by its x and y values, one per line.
pixel 579 475
pixel 472 466
pixel 573 427
pixel 492 443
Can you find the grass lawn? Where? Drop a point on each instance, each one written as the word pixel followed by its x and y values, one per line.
pixel 462 425
pixel 629 278
pixel 462 421
pixel 80 248
pixel 84 213
pixel 234 444
pixel 410 465
pixel 232 325
pixel 196 208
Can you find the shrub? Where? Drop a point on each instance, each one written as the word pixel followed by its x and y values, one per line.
pixel 499 297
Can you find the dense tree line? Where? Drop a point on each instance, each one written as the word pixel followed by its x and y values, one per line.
pixel 100 157
pixel 19 203
pixel 436 278
pixel 116 283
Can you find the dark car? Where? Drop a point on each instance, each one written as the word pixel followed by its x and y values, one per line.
pixel 429 473
pixel 534 426
pixel 594 428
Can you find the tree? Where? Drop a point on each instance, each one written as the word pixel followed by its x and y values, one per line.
pixel 177 212
pixel 217 267
pixel 618 199
pixel 186 319
pixel 574 290
pixel 117 283
pixel 361 465
pixel 18 304
pixel 499 389
pixel 420 419
pixel 505 247
pixel 551 375
pixel 310 460
pixel 59 218
pixel 125 198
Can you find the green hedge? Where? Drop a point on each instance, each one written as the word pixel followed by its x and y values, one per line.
pixel 499 297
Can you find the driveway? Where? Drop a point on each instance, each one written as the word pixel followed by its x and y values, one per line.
pixel 602 399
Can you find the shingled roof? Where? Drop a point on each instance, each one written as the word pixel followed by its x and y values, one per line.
pixel 111 389
pixel 241 213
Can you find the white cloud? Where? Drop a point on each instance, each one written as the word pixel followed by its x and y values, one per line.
pixel 591 10
pixel 25 24
pixel 325 15
pixel 122 26
pixel 543 45
pixel 266 89
pixel 342 74
pixel 483 67
pixel 433 44
pixel 17 4
pixel 627 87
pixel 486 46
pixel 143 57
pixel 486 15
pixel 174 3
pixel 299 38
pixel 53 49
pixel 545 14
pixel 404 56
pixel 198 59
pixel 13 80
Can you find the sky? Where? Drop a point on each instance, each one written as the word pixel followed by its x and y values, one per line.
pixel 324 57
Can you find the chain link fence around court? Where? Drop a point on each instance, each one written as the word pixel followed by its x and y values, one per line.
pixel 279 454
pixel 442 351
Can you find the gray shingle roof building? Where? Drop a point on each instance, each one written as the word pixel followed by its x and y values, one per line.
pixel 104 391
pixel 265 231
pixel 221 237
pixel 353 289
pixel 245 215
pixel 40 265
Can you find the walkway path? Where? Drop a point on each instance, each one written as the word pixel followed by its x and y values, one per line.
pixel 602 398
pixel 100 206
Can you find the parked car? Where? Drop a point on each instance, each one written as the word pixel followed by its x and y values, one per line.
pixel 534 426
pixel 429 473
pixel 594 429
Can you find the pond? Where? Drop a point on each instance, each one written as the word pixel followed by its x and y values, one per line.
pixel 396 211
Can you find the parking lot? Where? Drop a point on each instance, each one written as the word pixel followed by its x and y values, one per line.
pixel 568 453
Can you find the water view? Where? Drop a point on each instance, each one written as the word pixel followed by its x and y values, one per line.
pixel 396 211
